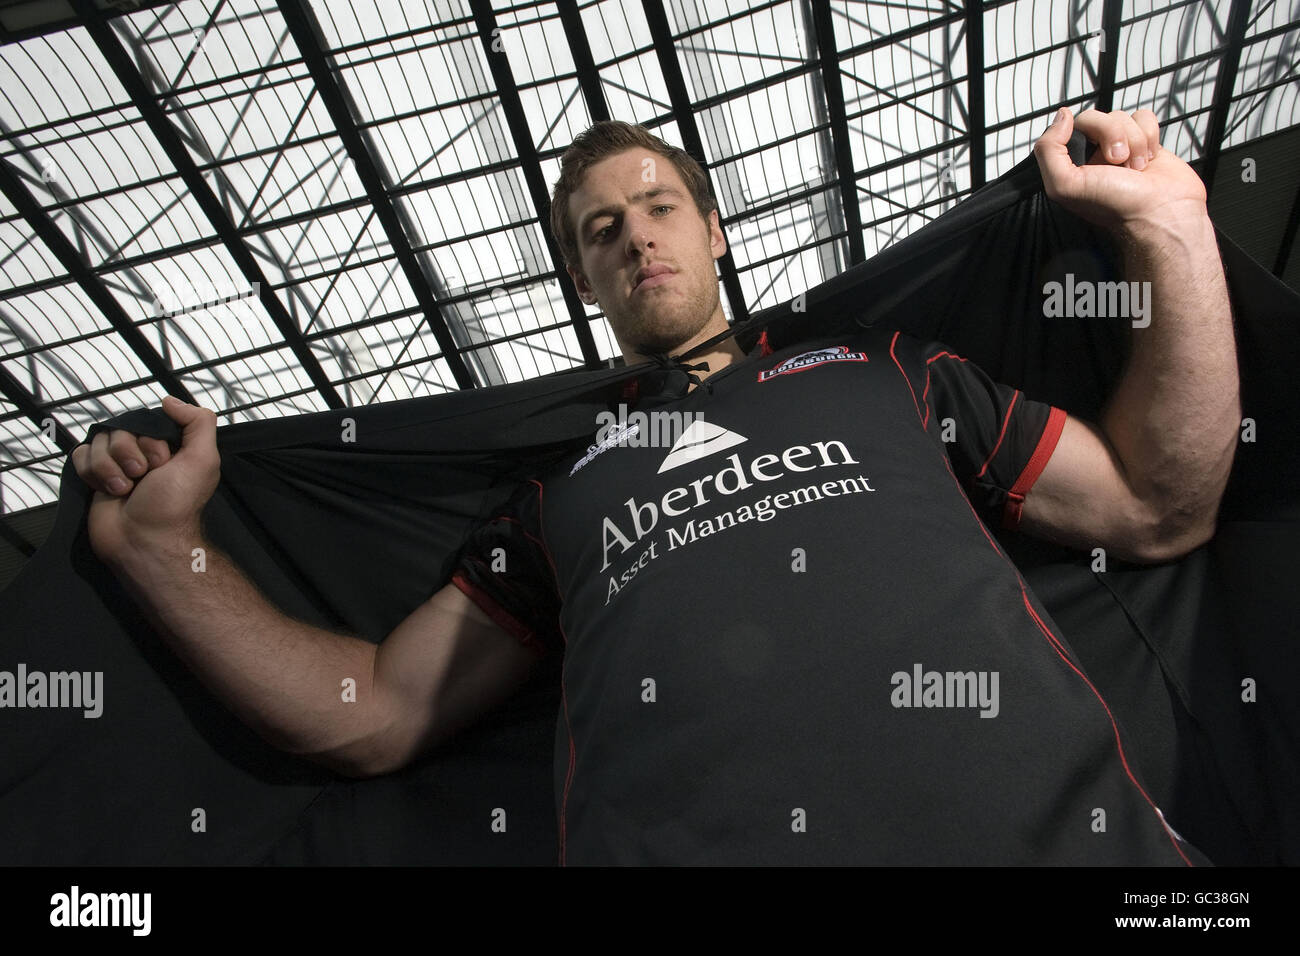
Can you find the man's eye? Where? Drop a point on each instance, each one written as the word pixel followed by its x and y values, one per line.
pixel 600 234
pixel 657 208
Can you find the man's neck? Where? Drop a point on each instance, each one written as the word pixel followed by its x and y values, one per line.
pixel 718 356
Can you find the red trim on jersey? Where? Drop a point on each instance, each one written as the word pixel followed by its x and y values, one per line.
pixel 906 379
pixel 925 392
pixel 1051 638
pixel 946 354
pixel 925 399
pixel 564 693
pixel 631 390
pixel 533 538
pixel 764 344
pixel 1055 643
pixel 508 622
pixel 1119 744
pixel 546 549
pixel 1015 505
pixel 1006 420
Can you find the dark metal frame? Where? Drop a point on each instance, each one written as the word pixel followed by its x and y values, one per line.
pixel 147 103
pixel 832 205
pixel 684 112
pixel 833 91
pixel 1238 18
pixel 975 91
pixel 1111 16
pixel 360 149
pixel 526 150
pixel 72 260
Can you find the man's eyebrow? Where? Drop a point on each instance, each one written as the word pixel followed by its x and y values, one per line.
pixel 652 193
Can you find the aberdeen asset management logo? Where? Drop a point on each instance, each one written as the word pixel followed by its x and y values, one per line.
pixel 700 440
pixel 804 360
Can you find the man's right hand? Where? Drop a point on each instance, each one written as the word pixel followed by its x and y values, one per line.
pixel 143 493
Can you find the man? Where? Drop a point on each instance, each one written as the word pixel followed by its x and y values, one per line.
pixel 788 637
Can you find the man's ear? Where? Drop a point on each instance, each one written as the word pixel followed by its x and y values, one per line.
pixel 717 241
pixel 585 291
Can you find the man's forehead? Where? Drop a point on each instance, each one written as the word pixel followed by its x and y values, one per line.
pixel 619 177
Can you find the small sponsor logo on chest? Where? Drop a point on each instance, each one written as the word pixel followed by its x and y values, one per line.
pixel 807 360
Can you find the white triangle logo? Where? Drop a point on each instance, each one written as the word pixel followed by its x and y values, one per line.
pixel 699 440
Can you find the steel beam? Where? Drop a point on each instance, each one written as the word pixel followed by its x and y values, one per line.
pixel 684 116
pixel 79 271
pixel 833 89
pixel 513 108
pixel 145 100
pixel 1238 18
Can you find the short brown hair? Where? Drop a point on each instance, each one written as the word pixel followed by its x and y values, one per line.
pixel 599 141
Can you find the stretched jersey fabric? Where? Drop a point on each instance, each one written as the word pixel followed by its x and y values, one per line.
pixel 1196 658
pixel 788 638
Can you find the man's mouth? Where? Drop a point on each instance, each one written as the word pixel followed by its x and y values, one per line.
pixel 651 281
pixel 658 275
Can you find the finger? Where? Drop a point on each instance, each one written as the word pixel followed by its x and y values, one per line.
pixel 80 459
pixel 1060 175
pixel 125 450
pixel 104 468
pixel 1119 138
pixel 199 425
pixel 156 451
pixel 1138 149
pixel 1094 125
pixel 1150 127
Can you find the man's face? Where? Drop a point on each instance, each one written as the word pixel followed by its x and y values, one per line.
pixel 633 216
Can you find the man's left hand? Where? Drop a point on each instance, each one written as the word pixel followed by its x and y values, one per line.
pixel 1130 183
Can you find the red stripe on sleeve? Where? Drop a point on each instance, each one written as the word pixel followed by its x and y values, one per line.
pixel 1015 505
pixel 500 615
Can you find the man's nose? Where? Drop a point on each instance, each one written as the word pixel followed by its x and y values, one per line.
pixel 640 236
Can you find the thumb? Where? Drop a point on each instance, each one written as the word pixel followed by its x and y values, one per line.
pixel 1053 154
pixel 196 423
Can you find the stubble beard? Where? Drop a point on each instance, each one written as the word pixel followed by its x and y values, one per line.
pixel 664 329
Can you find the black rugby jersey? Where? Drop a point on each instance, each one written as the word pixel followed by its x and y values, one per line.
pixel 788 636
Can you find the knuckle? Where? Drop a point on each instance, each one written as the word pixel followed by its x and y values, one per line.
pixel 101 461
pixel 121 443
pixel 155 450
pixel 99 456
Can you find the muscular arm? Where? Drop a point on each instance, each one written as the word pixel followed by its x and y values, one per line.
pixel 442 667
pixel 1145 482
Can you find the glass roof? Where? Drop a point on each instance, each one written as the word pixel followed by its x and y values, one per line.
pixel 280 207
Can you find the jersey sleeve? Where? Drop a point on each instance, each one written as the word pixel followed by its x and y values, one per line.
pixel 503 567
pixel 998 440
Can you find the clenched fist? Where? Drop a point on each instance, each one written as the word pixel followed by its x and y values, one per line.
pixel 144 495
pixel 1131 182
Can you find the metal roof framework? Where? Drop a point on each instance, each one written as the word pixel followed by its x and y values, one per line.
pixel 279 206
